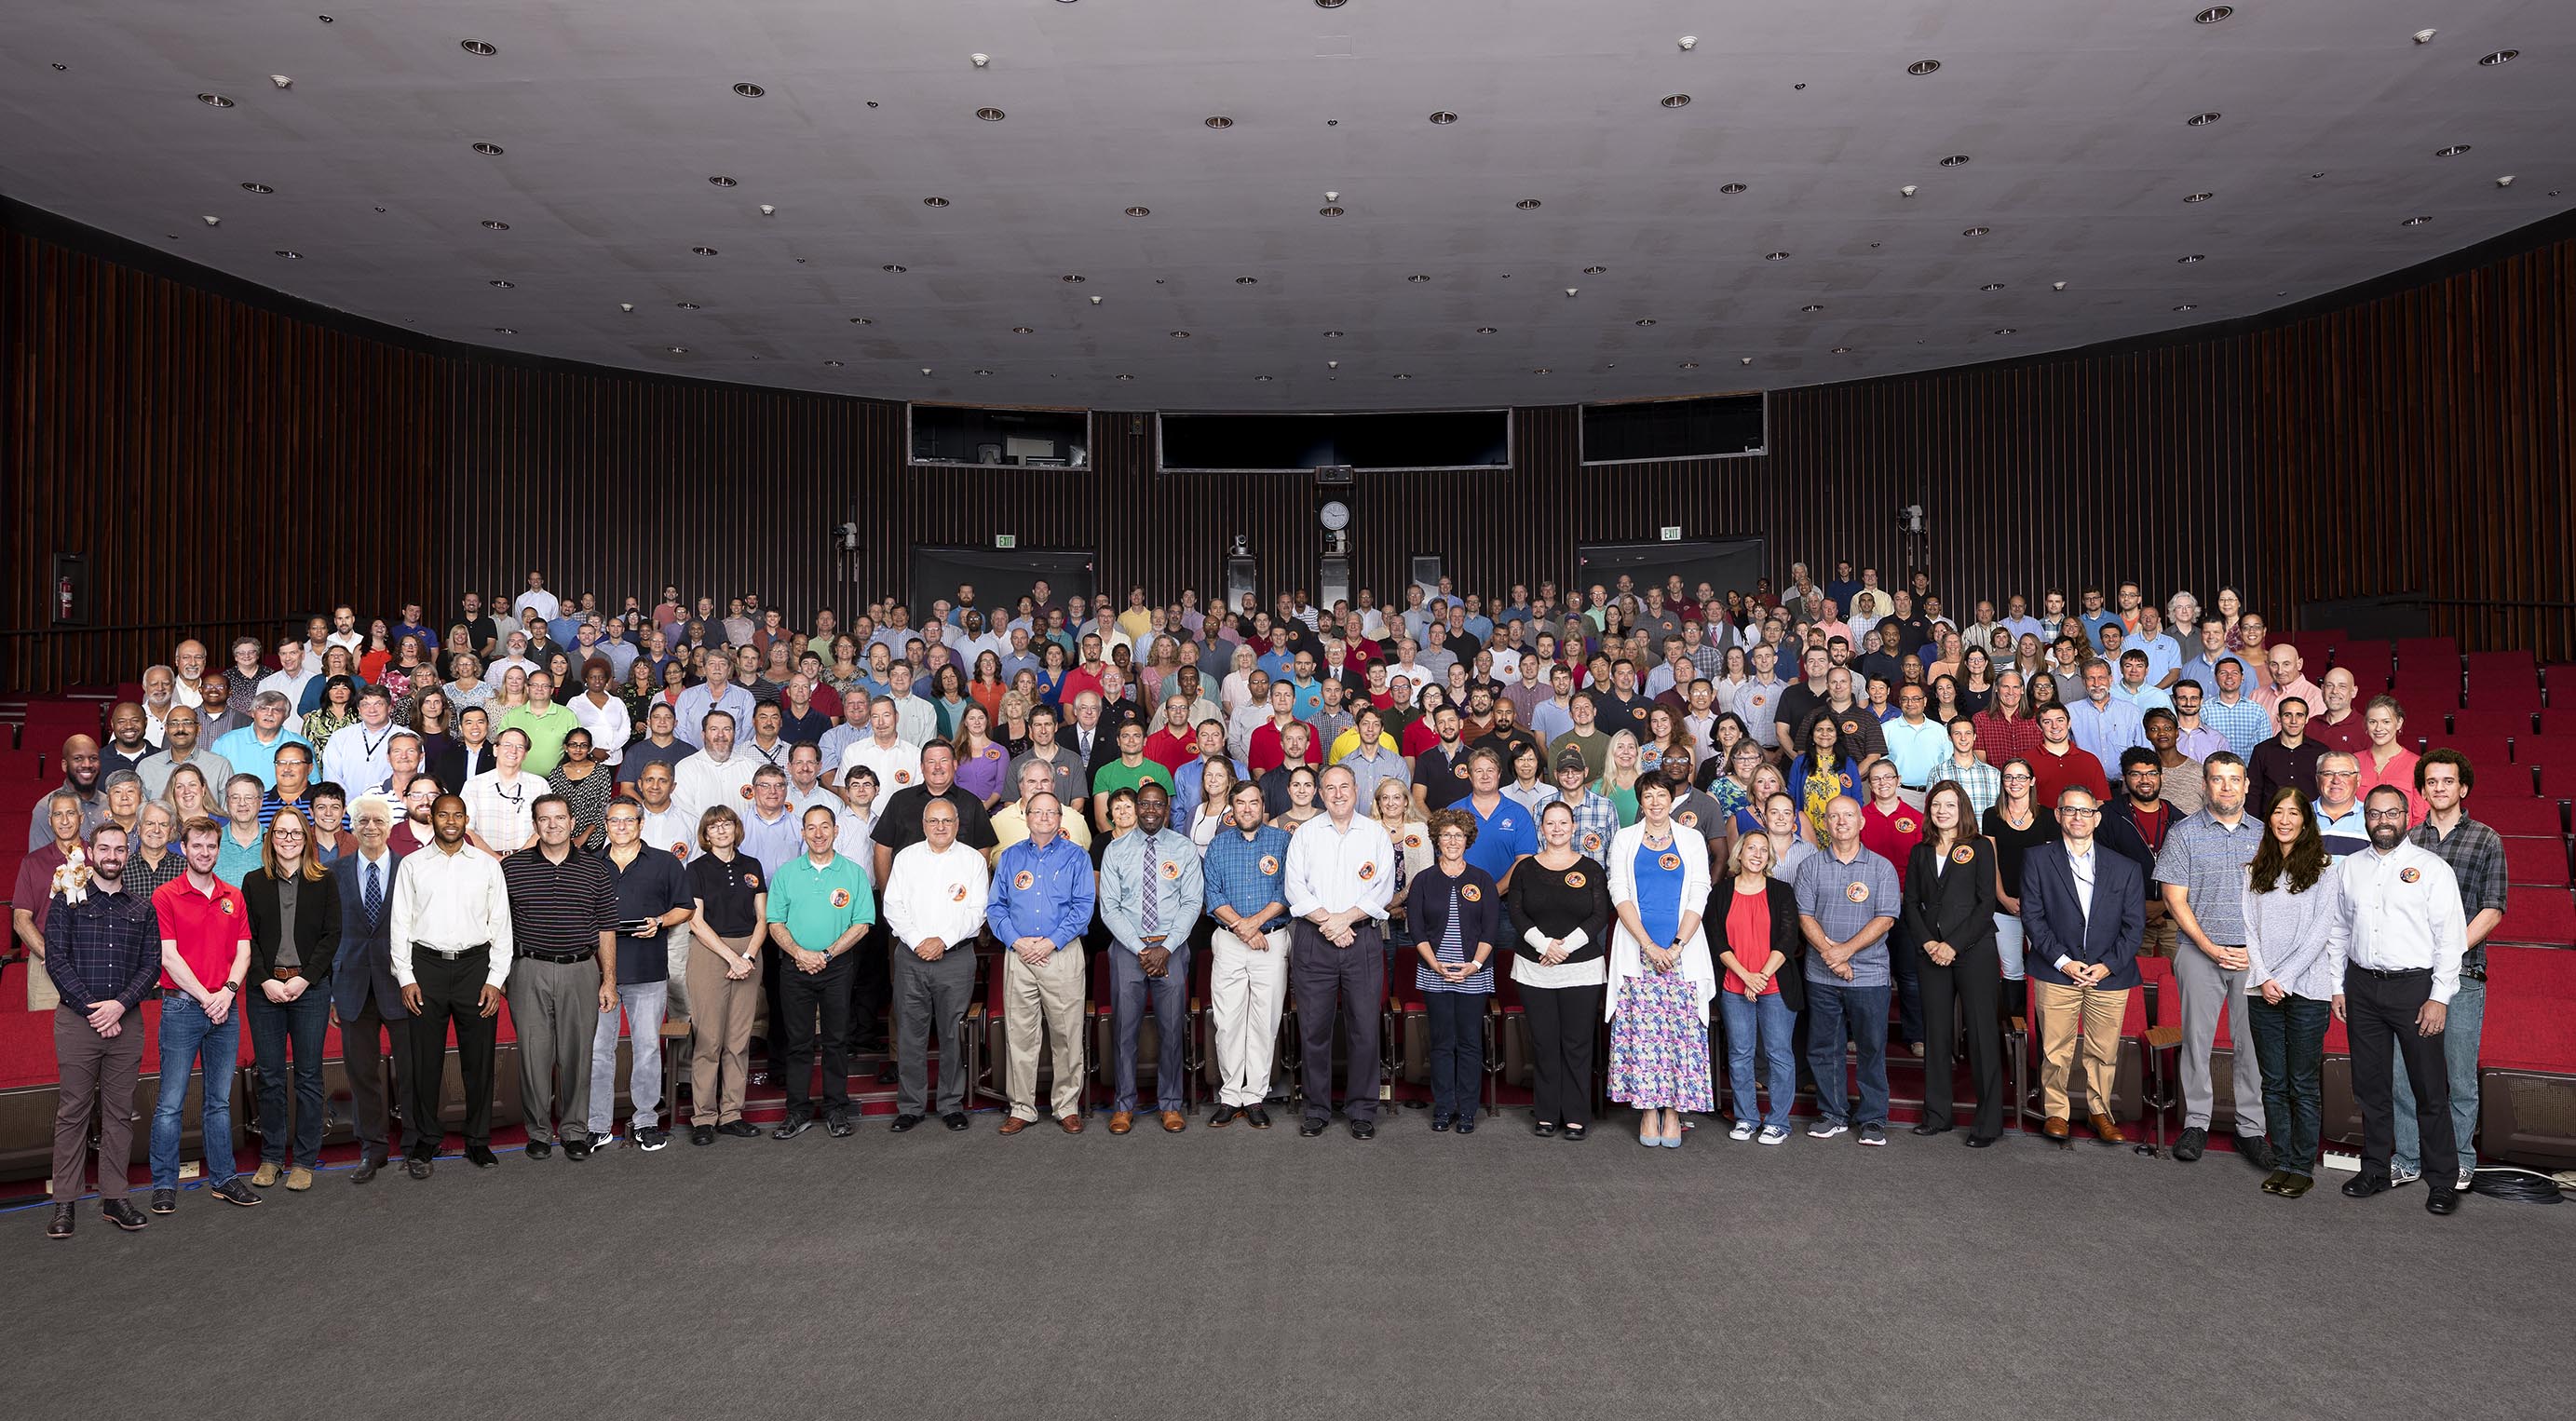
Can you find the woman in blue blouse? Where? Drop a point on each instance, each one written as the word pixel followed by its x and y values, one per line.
pixel 1662 977
pixel 1455 914
pixel 1051 673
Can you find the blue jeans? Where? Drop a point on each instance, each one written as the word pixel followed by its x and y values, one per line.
pixel 2460 1029
pixel 2290 1046
pixel 274 1026
pixel 186 1038
pixel 1765 1026
pixel 1833 1007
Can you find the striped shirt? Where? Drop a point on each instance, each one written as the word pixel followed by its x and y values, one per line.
pixel 559 907
pixel 2207 860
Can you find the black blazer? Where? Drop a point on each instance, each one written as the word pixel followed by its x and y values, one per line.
pixel 317 925
pixel 1956 906
pixel 1480 910
pixel 457 765
pixel 1786 937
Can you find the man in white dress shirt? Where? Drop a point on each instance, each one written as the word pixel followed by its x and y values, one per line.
pixel 450 951
pixel 1340 878
pixel 934 901
pixel 715 775
pixel 895 761
pixel 2399 932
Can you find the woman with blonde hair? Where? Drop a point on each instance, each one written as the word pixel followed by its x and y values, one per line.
pixel 1619 779
pixel 293 905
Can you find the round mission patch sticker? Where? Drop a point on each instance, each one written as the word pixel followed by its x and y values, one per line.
pixel 1269 863
pixel 2404 875
pixel 1024 880
pixel 1962 854
pixel 1858 893
pixel 1668 861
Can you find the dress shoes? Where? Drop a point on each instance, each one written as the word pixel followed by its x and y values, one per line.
pixel 1440 1124
pixel 739 1129
pixel 888 1074
pixel 123 1214
pixel 1224 1116
pixel 417 1168
pixel 903 1124
pixel 366 1170
pixel 65 1216
pixel 1467 1123
pixel 2362 1186
pixel 1174 1122
pixel 2297 1185
pixel 266 1175
pixel 1072 1124
pixel 955 1120
pixel 1544 1129
pixel 1363 1129
pixel 236 1191
pixel 1310 1127
pixel 165 1201
pixel 577 1149
pixel 1012 1125
pixel 702 1135
pixel 1981 1142
pixel 1926 1127
pixel 2442 1201
pixel 1122 1121
pixel 539 1149
pixel 2193 1142
pixel 1256 1117
pixel 2106 1129
pixel 481 1157
pixel 2054 1127
pixel 2258 1151
pixel 2272 1182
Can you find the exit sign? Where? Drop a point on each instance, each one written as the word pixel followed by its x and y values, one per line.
pixel 1006 540
pixel 1672 534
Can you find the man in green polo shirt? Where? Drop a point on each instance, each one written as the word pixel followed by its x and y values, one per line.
pixel 819 907
pixel 1131 770
pixel 545 722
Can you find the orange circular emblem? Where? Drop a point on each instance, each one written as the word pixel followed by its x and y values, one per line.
pixel 901 777
pixel 1368 871
pixel 227 904
pixel 1905 826
pixel 1963 854
pixel 2404 875
pixel 1668 861
pixel 840 897
pixel 1858 893
pixel 1269 863
pixel 957 893
pixel 1472 893
pixel 1413 840
pixel 1024 880
pixel 751 880
pixel 1576 880
pixel 1592 843
pixel 1459 770
pixel 1760 699
pixel 1689 818
pixel 1171 871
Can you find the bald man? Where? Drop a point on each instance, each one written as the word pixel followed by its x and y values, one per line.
pixel 81 771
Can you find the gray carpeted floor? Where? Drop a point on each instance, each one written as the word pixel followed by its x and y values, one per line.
pixel 1240 1275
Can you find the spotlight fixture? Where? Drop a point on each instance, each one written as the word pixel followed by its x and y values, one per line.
pixel 1331 196
pixel 1992 286
pixel 1332 335
pixel 768 211
pixel 1330 4
pixel 1922 67
pixel 281 81
pixel 1775 256
pixel 704 251
pixel 979 60
pixel 2201 120
pixel 2057 286
pixel 1329 211
pixel 1418 278
pixel 686 305
pixel 1976 231
pixel 1073 278
pixel 983 372
pixel 832 364
pixel 1444 118
pixel 1675 101
pixel 504 285
pixel 1570 291
pixel 2186 306
pixel 1594 270
pixel 212 101
pixel 1400 377
pixel 1126 377
pixel 677 349
pixel 1180 335
pixel 1955 160
pixel 1261 379
pixel 990 114
pixel 2501 56
pixel 211 220
pixel 1484 330
pixel 2425 36
pixel 1645 320
pixel 749 91
pixel 1731 189
pixel 2198 197
pixel 1140 212
pixel 489 150
pixel 496 224
pixel 1811 308
pixel 2004 330
pixel 1527 204
pixel 290 255
pixel 720 180
pixel 1022 330
pixel 1542 370
pixel 627 306
pixel 1745 360
pixel 2505 181
pixel 1690 365
pixel 934 202
pixel 1219 121
pixel 2213 14
pixel 2414 221
pixel 1247 281
pixel 1095 300
pixel 261 188
pixel 2191 260
pixel 1838 350
pixel 862 321
pixel 2452 151
pixel 897 268
pixel 1905 191
pixel 477 48
pixel 503 331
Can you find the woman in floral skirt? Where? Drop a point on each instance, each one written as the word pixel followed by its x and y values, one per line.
pixel 1662 978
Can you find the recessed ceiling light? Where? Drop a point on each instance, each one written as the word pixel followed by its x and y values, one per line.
pixel 211 220
pixel 677 349
pixel 1330 4
pixel 2213 14
pixel 2501 56
pixel 1527 204
pixel 704 251
pixel 504 285
pixel 1747 360
pixel 1444 118
pixel 1126 377
pixel 1675 101
pixel 1776 257
pixel 686 305
pixel 2201 120
pixel 627 306
pixel 61 68
pixel 1811 308
pixel 1842 350
pixel 1247 281
pixel 1140 212
pixel 2189 260
pixel 1219 121
pixel 1328 211
pixel 1731 189
pixel 489 150
pixel 289 255
pixel 1924 66
pixel 1418 278
pixel 1332 335
pixel 990 114
pixel 1072 278
pixel 1542 370
pixel 1976 231
pixel 495 224
pixel 1180 335
pixel 2505 181
pixel 1401 377
pixel 1484 330
pixel 934 202
pixel 2057 286
pixel 897 268
pixel 477 47
pixel 832 364
pixel 749 91
pixel 2004 330
pixel 979 60
pixel 983 372
pixel 2452 151
pixel 261 188
pixel 2186 306
pixel 2199 197
pixel 1955 160
pixel 2425 36
pixel 925 370
pixel 2414 221
pixel 1992 286
pixel 1022 330
pixel 862 321
pixel 1690 365
pixel 1594 270
pixel 504 331
pixel 212 101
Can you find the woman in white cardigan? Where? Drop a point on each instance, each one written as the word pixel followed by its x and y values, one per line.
pixel 1662 977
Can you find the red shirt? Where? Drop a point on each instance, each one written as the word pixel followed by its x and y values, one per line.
pixel 1418 737
pixel 210 929
pixel 1172 750
pixel 2350 737
pixel 2052 775
pixel 2000 739
pixel 1892 836
pixel 1748 933
pixel 1266 753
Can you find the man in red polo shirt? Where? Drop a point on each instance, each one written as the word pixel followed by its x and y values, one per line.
pixel 1176 741
pixel 205 952
pixel 2059 762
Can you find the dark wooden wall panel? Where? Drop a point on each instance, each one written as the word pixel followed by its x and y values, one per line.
pixel 214 457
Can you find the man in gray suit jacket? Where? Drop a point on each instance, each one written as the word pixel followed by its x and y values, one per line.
pixel 365 1000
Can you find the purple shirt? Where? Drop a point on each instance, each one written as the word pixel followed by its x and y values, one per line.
pixel 981 775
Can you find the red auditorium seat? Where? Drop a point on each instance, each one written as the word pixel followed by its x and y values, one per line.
pixel 2492 752
pixel 2536 862
pixel 2541 917
pixel 2414 651
pixel 2527 1058
pixel 2560 720
pixel 2503 680
pixel 2316 650
pixel 21 765
pixel 2479 721
pixel 2509 812
pixel 2558 780
pixel 2427 693
pixel 2369 662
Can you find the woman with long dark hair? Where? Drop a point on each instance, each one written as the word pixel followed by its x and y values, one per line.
pixel 2291 889
pixel 1950 922
pixel 1822 772
pixel 1560 900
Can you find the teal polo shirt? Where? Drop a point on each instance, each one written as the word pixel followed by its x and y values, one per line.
pixel 818 904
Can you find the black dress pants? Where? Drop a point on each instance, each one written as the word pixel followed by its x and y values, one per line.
pixel 1966 989
pixel 2379 1020
pixel 450 996
pixel 1563 1024
pixel 808 998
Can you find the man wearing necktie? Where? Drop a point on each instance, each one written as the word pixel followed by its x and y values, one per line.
pixel 366 1002
pixel 1150 891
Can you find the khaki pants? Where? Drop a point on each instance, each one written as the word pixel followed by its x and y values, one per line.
pixel 41 995
pixel 720 1049
pixel 2160 939
pixel 1247 989
pixel 1050 997
pixel 2094 1015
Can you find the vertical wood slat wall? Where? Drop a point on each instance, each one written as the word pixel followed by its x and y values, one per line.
pixel 225 465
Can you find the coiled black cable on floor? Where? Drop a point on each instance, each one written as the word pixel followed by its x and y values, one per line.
pixel 2523 1186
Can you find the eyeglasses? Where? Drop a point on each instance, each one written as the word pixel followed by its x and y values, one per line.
pixel 2075 812
pixel 2378 815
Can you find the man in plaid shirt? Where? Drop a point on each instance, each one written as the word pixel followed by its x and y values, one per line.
pixel 2475 853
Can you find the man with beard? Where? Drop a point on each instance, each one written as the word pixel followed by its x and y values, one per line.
pixel 82 767
pixel 2400 932
pixel 129 743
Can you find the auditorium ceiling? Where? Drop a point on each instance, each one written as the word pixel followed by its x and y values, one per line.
pixel 1293 204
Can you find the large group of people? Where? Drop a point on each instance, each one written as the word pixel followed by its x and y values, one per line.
pixel 1845 817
